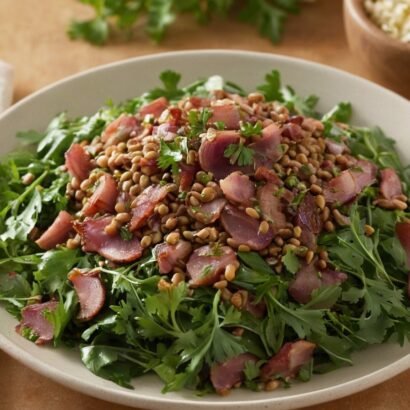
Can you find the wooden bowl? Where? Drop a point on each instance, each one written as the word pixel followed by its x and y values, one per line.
pixel 387 57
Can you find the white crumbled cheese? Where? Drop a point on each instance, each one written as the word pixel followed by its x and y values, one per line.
pixel 392 16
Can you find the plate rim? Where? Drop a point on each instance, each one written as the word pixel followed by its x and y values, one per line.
pixel 133 398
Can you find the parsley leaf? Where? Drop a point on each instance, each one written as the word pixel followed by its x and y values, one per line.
pixel 239 154
pixel 171 154
pixel 274 91
pixel 170 80
pixel 249 130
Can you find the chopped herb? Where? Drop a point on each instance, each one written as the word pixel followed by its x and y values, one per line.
pixel 239 154
pixel 250 130
pixel 125 234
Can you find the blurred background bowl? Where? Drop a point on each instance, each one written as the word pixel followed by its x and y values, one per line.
pixel 387 57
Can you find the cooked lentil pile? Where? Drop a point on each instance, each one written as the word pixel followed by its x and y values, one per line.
pixel 214 237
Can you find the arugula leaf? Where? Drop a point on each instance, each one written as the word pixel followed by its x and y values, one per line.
pixel 54 267
pixel 239 154
pixel 61 316
pixel 20 225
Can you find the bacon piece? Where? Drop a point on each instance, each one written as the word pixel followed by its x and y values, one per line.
pixel 228 114
pixel 244 229
pixel 90 292
pixel 346 186
pixel 308 218
pixel 238 188
pixel 125 126
pixel 364 174
pixel 269 175
pixel 208 212
pixel 78 162
pixel 32 317
pixel 288 361
pixel 155 108
pixel 146 202
pixel 225 375
pixel 271 206
pixel 57 233
pixel 335 148
pixel 169 255
pixel 104 197
pixel 267 147
pixel 207 263
pixel 198 102
pixel 111 247
pixel 166 131
pixel 293 131
pixel 187 175
pixel 308 279
pixel 390 185
pixel 212 158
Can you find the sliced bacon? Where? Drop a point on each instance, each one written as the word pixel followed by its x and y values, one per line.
pixel 308 279
pixel 104 197
pixel 308 218
pixel 58 232
pixel 244 229
pixel 293 131
pixel 155 108
pixel 288 361
pixel 111 247
pixel 269 175
pixel 146 202
pixel 206 264
pixel 225 375
pixel 228 114
pixel 198 102
pixel 32 317
pixel 90 291
pixel 267 147
pixel 212 158
pixel 169 255
pixel 335 148
pixel 166 131
pixel 187 175
pixel 364 174
pixel 208 212
pixel 238 188
pixel 125 126
pixel 390 185
pixel 346 186
pixel 271 206
pixel 341 189
pixel 77 161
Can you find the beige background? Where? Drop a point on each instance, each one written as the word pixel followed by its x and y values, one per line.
pixel 32 38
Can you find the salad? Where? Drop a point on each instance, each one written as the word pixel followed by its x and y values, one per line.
pixel 216 238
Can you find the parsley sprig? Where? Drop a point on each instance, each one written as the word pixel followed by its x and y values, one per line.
pixel 268 16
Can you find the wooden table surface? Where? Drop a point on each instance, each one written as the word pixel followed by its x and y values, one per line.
pixel 33 40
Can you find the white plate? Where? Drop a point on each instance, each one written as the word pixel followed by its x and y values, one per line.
pixel 85 93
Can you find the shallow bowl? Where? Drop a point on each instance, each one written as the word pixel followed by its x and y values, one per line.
pixel 85 93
